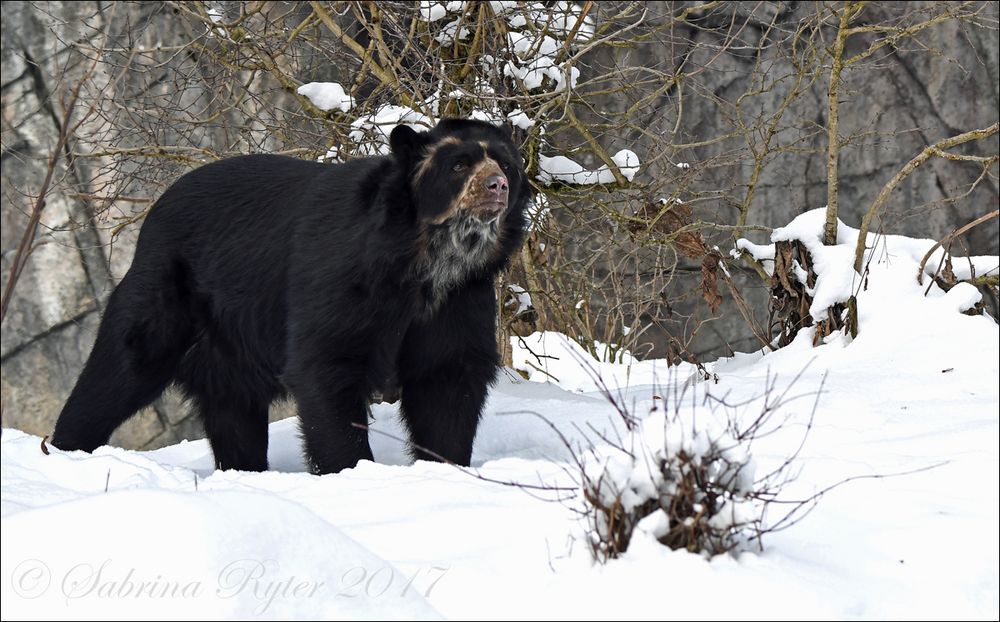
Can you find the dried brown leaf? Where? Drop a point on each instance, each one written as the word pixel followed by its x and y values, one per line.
pixel 710 281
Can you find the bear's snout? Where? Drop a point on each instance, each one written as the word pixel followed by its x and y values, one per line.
pixel 497 184
pixel 496 193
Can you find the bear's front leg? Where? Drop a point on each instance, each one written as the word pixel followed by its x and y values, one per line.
pixel 446 367
pixel 333 413
pixel 443 408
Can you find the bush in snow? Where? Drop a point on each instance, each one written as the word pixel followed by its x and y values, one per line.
pixel 689 488
pixel 686 477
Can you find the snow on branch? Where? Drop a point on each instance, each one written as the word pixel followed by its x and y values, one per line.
pixel 567 170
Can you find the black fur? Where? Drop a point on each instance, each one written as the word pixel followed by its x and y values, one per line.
pixel 261 276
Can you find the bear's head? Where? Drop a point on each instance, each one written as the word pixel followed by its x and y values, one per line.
pixel 469 190
pixel 462 170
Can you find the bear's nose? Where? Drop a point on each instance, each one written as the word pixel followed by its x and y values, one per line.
pixel 497 184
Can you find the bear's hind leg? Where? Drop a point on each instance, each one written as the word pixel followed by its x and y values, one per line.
pixel 237 432
pixel 138 346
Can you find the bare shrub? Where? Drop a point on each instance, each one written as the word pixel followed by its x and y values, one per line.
pixel 686 475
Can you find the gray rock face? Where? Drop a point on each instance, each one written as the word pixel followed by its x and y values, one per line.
pixel 893 108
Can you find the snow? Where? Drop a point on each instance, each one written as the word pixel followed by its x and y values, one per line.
pixel 627 162
pixel 493 116
pixel 520 297
pixel 553 357
pixel 448 33
pixel 561 168
pixel 216 16
pixel 432 11
pixel 533 73
pixel 327 96
pixel 535 54
pixel 517 21
pixel 264 566
pixel 538 210
pixel 527 45
pixel 332 155
pixel 531 76
pixel 910 406
pixel 519 119
pixel 371 132
pixel 683 455
pixel 836 278
pixel 504 6
pixel 563 18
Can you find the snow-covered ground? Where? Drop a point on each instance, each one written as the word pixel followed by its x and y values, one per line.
pixel 126 534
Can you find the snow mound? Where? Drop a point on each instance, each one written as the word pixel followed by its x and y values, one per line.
pixel 899 318
pixel 555 358
pixel 182 555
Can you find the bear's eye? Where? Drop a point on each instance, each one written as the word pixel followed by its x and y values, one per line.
pixel 459 167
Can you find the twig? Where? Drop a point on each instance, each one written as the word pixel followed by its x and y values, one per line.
pixel 948 238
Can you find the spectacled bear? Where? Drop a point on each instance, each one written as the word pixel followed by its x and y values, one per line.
pixel 262 276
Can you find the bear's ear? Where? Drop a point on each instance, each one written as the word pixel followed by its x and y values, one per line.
pixel 405 141
pixel 508 129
